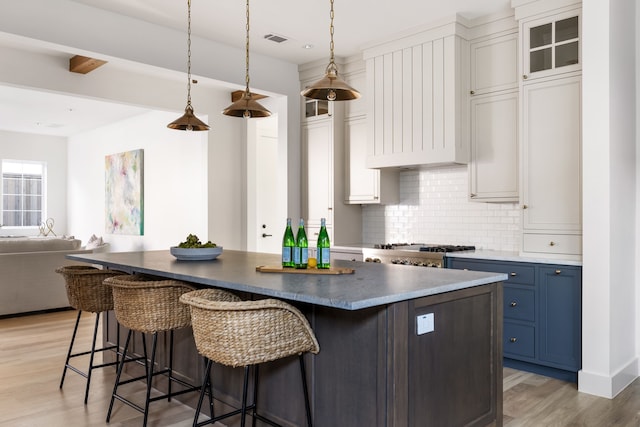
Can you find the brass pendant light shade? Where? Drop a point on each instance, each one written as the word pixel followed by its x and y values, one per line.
pixel 188 121
pixel 246 106
pixel 331 87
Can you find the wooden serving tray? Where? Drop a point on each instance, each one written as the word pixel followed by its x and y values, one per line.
pixel 280 269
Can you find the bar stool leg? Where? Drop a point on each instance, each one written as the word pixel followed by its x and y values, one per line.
pixel 255 395
pixel 303 373
pixel 120 367
pixel 245 385
pixel 150 378
pixel 170 376
pixel 205 385
pixel 73 339
pixel 93 351
pixel 209 387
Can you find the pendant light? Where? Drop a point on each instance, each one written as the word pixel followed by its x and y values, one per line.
pixel 188 121
pixel 246 106
pixel 331 87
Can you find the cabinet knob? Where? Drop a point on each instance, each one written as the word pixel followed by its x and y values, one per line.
pixel 524 206
pixel 513 339
pixel 558 271
pixel 524 77
pixel 513 304
pixel 472 195
pixel 513 274
pixel 552 243
pixel 472 92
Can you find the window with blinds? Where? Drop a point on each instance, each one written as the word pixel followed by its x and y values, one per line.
pixel 23 193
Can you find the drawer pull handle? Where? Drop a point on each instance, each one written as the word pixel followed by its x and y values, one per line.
pixel 513 274
pixel 558 271
pixel 513 304
pixel 513 339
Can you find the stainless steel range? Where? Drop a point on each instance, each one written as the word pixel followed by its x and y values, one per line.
pixel 417 254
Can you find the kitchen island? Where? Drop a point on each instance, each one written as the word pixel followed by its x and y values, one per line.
pixel 399 345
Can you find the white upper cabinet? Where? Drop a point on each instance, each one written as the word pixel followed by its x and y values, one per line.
pixel 417 98
pixel 493 169
pixel 494 64
pixel 364 185
pixel 551 165
pixel 551 124
pixel 551 45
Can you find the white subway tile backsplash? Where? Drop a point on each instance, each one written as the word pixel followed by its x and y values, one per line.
pixel 434 208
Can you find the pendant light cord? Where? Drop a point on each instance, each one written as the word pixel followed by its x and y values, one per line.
pixel 331 60
pixel 188 53
pixel 247 54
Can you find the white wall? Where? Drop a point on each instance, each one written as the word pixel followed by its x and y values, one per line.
pixel 610 356
pixel 434 208
pixel 89 31
pixel 175 181
pixel 53 151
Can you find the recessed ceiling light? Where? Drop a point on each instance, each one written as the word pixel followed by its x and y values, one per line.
pixel 307 46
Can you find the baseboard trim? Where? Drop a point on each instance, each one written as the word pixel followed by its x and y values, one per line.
pixel 31 313
pixel 608 386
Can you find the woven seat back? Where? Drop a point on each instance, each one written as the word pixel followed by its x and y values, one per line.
pixel 249 332
pixel 146 304
pixel 85 287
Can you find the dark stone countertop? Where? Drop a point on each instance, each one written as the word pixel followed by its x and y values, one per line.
pixel 371 285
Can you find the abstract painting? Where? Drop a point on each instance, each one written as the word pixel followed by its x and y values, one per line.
pixel 124 201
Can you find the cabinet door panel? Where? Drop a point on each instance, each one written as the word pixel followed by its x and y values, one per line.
pixel 519 304
pixel 362 182
pixel 494 64
pixel 318 142
pixel 519 340
pixel 494 147
pixel 560 317
pixel 551 45
pixel 519 273
pixel 551 170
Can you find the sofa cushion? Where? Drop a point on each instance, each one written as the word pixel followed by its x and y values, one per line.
pixel 37 244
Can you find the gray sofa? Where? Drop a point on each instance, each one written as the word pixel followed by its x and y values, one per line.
pixel 28 281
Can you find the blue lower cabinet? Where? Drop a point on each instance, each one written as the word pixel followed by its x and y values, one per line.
pixel 519 340
pixel 519 303
pixel 542 309
pixel 560 321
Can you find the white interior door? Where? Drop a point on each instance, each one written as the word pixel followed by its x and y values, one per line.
pixel 265 198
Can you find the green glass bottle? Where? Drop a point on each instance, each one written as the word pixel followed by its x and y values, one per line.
pixel 301 252
pixel 323 252
pixel 288 244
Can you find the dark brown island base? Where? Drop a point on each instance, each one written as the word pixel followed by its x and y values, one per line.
pixel 399 346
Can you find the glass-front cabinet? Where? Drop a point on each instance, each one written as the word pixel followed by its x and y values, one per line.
pixel 316 108
pixel 552 45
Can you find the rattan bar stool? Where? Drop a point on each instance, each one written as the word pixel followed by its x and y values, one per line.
pixel 87 293
pixel 149 305
pixel 248 333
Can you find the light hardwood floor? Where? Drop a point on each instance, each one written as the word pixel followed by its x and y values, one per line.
pixel 33 348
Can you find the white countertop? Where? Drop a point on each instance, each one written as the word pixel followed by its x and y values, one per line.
pixel 511 256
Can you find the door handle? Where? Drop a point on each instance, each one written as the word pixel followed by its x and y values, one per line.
pixel 266 235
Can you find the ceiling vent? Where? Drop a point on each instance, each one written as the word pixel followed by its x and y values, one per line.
pixel 277 38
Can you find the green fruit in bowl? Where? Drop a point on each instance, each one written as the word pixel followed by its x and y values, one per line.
pixel 194 242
